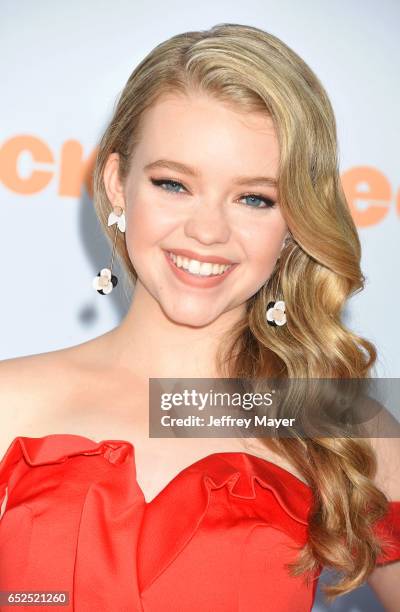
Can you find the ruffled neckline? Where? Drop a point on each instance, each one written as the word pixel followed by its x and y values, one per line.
pixel 246 476
pixel 237 469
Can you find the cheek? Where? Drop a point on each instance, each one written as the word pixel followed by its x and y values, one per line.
pixel 262 244
pixel 138 233
pixel 146 224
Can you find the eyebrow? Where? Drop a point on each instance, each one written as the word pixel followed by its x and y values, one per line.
pixel 180 167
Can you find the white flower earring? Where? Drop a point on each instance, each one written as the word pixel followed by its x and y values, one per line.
pixel 105 281
pixel 275 313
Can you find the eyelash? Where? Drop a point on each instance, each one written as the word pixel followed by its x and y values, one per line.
pixel 269 203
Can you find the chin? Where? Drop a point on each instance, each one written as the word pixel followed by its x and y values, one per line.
pixel 191 319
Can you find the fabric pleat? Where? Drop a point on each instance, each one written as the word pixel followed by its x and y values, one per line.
pixel 218 537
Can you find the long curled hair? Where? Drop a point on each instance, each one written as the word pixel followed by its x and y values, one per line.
pixel 318 270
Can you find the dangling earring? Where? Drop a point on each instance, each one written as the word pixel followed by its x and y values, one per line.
pixel 105 281
pixel 275 313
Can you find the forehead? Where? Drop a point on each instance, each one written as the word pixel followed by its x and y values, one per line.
pixel 198 124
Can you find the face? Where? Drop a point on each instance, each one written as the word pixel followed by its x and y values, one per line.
pixel 199 208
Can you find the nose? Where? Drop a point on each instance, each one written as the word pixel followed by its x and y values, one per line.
pixel 208 224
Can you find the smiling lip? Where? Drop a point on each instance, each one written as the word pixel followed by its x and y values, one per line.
pixel 204 258
pixel 197 281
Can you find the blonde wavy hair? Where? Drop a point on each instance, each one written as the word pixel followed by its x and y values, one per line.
pixel 318 270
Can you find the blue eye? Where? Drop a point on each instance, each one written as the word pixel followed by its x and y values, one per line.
pixel 268 203
pixel 160 182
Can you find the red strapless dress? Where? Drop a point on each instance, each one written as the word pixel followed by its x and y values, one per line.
pixel 216 538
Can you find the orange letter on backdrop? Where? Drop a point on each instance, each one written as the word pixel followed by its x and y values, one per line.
pixel 367 190
pixel 74 170
pixel 10 152
pixel 377 196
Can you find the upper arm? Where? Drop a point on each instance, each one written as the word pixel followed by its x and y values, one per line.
pixel 385 582
pixel 385 579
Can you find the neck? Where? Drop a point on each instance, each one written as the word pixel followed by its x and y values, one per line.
pixel 152 345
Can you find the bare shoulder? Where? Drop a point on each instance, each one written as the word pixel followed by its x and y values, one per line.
pixel 27 389
pixel 388 466
pixel 67 391
pixel 38 392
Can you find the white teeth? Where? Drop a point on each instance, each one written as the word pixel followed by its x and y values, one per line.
pixel 206 269
pixel 199 268
pixel 194 266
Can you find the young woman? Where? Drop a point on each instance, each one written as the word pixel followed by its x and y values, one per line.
pixel 217 184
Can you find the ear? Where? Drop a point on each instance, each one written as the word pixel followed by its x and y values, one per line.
pixel 112 183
